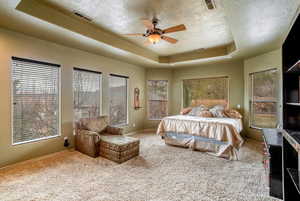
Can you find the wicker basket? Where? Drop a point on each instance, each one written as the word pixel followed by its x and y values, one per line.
pixel 119 148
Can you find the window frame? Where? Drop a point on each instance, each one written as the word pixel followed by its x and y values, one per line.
pixel 127 96
pixel 198 78
pixel 250 101
pixel 59 134
pixel 100 87
pixel 148 101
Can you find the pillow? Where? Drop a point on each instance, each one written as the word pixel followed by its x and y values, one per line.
pixel 185 111
pixel 231 113
pixel 196 110
pixel 205 114
pixel 218 111
pixel 97 124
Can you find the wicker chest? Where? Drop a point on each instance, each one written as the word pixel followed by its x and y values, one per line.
pixel 118 148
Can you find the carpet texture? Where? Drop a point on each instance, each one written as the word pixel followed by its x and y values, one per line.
pixel 160 173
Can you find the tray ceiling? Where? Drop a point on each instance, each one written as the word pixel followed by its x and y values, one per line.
pixel 205 28
pixel 237 28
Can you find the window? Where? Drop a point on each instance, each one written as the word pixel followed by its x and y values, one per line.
pixel 35 100
pixel 86 93
pixel 118 100
pixel 208 91
pixel 157 99
pixel 263 99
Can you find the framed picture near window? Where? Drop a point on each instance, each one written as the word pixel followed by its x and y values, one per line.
pixel 136 100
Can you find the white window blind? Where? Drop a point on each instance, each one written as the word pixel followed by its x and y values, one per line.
pixel 86 93
pixel 157 99
pixel 118 100
pixel 35 100
pixel 263 99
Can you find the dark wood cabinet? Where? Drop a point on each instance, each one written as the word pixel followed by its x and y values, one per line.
pixel 290 48
pixel 272 160
pixel 291 171
pixel 291 113
pixel 291 78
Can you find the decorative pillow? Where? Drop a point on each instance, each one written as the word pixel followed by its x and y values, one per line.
pixel 196 110
pixel 217 111
pixel 97 124
pixel 185 111
pixel 86 132
pixel 231 113
pixel 205 114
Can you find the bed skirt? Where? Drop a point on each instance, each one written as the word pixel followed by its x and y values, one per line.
pixel 199 143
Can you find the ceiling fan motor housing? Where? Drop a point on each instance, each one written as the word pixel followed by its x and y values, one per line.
pixel 153 31
pixel 154 21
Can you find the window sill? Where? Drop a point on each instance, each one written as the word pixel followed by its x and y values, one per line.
pixel 257 128
pixel 35 140
pixel 120 125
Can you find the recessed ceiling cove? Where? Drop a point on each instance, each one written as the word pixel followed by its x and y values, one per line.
pixel 206 28
pixel 207 32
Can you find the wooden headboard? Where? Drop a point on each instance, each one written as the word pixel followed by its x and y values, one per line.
pixel 210 103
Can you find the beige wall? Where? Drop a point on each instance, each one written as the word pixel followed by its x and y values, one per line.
pixel 234 70
pixel 15 44
pixel 258 63
pixel 159 74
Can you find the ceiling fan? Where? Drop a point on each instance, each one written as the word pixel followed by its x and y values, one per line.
pixel 154 34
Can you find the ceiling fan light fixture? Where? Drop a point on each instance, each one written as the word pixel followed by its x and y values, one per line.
pixel 154 38
pixel 154 34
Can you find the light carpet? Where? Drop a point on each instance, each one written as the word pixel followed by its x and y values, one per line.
pixel 160 173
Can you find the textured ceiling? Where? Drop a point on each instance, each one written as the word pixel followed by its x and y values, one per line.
pixel 257 26
pixel 205 28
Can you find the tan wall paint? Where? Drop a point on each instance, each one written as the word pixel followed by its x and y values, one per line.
pixel 258 63
pixel 159 74
pixel 15 44
pixel 234 70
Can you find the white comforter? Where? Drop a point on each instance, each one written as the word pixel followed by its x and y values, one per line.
pixel 236 123
pixel 221 129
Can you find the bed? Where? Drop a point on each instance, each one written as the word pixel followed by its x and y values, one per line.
pixel 217 136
